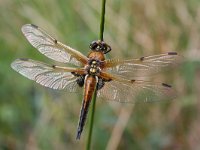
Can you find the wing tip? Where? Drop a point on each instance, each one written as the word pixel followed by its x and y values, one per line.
pixel 23 59
pixel 13 64
pixel 24 27
pixel 30 24
pixel 33 25
pixel 78 136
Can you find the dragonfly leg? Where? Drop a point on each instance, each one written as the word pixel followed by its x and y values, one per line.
pixel 100 83
pixel 80 81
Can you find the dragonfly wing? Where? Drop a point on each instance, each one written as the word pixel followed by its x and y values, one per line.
pixel 142 67
pixel 51 76
pixel 131 91
pixel 52 48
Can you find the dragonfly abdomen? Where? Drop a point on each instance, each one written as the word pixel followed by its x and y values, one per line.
pixel 90 85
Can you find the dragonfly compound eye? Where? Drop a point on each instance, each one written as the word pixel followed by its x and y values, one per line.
pixel 106 48
pixel 93 45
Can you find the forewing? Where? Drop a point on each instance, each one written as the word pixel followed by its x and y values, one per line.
pixel 50 76
pixel 52 48
pixel 142 67
pixel 136 91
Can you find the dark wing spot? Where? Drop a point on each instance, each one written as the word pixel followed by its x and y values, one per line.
pixel 172 53
pixel 141 58
pixel 73 73
pixel 55 41
pixel 34 26
pixel 132 81
pixel 24 59
pixel 108 80
pixel 166 85
pixel 54 66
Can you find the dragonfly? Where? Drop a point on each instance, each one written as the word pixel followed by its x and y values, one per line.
pixel 114 79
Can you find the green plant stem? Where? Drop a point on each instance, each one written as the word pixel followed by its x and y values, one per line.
pixel 91 120
pixel 103 10
pixel 88 146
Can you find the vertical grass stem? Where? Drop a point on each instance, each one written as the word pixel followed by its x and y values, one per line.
pixel 88 145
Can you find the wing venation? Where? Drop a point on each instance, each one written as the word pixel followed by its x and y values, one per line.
pixel 133 91
pixel 143 66
pixel 51 76
pixel 52 48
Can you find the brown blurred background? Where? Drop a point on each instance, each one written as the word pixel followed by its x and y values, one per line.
pixel 34 117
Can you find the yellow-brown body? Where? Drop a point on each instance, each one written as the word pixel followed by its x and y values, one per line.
pixel 96 55
pixel 90 83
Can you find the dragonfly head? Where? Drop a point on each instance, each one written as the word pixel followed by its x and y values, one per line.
pixel 100 46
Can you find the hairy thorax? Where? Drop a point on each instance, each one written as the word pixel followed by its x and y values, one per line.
pixel 97 55
pixel 94 63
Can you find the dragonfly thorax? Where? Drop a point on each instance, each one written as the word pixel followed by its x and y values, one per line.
pixel 93 68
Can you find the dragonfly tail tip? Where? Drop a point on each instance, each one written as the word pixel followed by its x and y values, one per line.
pixel 78 136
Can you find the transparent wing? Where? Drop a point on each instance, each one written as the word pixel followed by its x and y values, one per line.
pixel 131 91
pixel 142 67
pixel 50 76
pixel 52 48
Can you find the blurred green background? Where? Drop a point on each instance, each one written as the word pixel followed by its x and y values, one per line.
pixel 34 117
